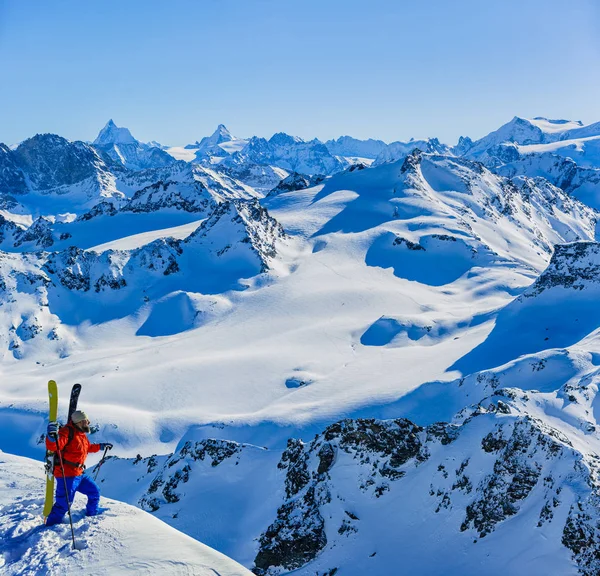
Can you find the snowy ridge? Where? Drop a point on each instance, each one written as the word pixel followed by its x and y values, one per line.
pixel 51 290
pixel 121 540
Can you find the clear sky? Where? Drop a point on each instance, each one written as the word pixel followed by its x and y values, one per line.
pixel 171 70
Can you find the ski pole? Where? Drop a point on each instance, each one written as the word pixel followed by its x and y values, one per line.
pixel 62 468
pixel 100 463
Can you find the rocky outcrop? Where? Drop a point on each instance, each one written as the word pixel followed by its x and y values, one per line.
pixel 37 236
pixel 296 181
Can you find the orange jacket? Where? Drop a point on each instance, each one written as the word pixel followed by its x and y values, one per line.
pixel 75 453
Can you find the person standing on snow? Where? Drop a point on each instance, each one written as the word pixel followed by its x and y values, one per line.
pixel 74 446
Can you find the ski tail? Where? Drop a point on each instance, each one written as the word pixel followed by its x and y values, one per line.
pixel 73 401
pixel 49 460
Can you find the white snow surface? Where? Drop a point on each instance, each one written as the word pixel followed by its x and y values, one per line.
pixel 425 286
pixel 138 240
pixel 348 260
pixel 585 151
pixel 123 540
pixel 182 153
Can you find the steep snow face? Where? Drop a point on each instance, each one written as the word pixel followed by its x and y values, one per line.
pixel 580 182
pixel 192 188
pixel 165 193
pixel 489 217
pixel 112 134
pixel 213 148
pixel 122 540
pixel 570 284
pixel 348 146
pixel 125 150
pixel 566 153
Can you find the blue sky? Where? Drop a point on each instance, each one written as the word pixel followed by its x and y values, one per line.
pixel 390 69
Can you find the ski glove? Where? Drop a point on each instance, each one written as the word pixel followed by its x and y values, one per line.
pixel 105 446
pixel 52 429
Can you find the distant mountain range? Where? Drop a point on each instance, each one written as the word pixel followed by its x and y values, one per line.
pixel 342 357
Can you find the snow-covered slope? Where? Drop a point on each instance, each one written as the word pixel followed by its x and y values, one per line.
pixel 509 484
pixel 292 353
pixel 124 540
pixel 584 151
pixel 539 130
pixel 434 244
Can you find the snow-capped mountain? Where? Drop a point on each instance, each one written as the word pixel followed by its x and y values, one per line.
pixel 564 152
pixel 48 172
pixel 123 148
pixel 281 153
pixel 364 490
pixel 221 143
pixel 399 150
pixel 332 363
pixel 348 146
pixel 526 131
pixel 210 149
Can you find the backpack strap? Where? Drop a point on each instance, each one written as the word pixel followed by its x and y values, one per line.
pixel 71 433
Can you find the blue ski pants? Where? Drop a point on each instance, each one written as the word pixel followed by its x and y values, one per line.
pixel 83 484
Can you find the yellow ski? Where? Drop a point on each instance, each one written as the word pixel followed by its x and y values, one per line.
pixel 49 461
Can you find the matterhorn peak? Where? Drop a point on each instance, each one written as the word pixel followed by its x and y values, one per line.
pixel 112 134
pixel 222 129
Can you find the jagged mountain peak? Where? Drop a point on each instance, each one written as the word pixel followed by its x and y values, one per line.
pixel 283 139
pixel 123 149
pixel 236 225
pixel 223 133
pixel 209 143
pixel 112 134
pixel 220 135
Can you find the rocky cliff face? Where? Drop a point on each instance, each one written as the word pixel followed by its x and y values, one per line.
pixel 379 486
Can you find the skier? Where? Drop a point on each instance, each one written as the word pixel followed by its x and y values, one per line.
pixel 74 446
